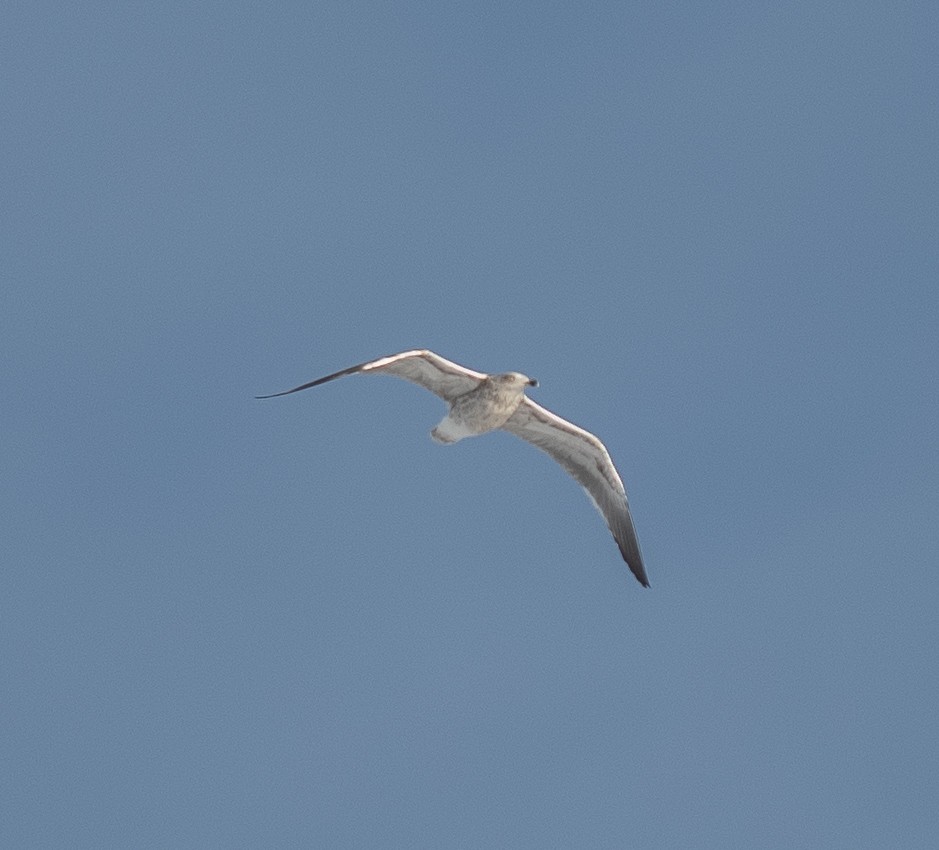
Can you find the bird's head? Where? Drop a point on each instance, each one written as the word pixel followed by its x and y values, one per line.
pixel 515 379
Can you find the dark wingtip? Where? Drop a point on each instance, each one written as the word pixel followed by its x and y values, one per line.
pixel 638 570
pixel 629 549
pixel 350 371
pixel 640 575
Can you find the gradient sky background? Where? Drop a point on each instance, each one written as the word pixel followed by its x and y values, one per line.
pixel 710 230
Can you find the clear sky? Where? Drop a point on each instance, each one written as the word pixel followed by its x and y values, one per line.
pixel 711 231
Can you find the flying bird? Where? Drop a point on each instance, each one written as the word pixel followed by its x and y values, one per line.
pixel 480 403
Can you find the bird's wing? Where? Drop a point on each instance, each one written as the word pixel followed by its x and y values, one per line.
pixel 431 371
pixel 585 458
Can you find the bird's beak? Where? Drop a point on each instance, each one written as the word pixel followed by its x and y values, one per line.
pixel 532 382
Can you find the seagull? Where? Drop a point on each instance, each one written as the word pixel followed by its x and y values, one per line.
pixel 480 403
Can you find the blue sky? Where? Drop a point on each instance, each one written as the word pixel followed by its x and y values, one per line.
pixel 709 230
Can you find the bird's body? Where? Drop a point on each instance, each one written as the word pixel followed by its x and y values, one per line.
pixel 485 408
pixel 479 403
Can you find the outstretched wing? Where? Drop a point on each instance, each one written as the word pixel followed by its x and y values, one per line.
pixel 587 459
pixel 431 371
